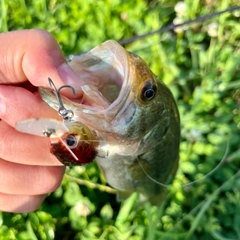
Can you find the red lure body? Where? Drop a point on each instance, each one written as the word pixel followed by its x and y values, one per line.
pixel 76 147
pixel 83 154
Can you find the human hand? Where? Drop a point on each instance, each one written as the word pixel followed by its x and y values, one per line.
pixel 28 171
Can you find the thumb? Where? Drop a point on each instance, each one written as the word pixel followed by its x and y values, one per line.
pixel 33 55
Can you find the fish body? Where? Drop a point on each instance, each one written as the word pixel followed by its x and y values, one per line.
pixel 133 112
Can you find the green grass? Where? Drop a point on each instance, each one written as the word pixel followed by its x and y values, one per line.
pixel 202 70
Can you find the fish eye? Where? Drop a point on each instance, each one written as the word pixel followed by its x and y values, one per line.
pixel 71 141
pixel 148 91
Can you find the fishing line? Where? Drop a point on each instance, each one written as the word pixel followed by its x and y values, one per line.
pixel 194 210
pixel 190 183
pixel 174 26
pixel 166 28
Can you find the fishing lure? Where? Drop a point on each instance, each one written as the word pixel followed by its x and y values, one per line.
pixel 72 142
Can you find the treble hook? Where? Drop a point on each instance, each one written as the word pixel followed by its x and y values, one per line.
pixel 62 111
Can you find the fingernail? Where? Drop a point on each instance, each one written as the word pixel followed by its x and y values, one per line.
pixel 2 107
pixel 69 76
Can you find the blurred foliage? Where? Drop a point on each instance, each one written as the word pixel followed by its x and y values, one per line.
pixel 201 65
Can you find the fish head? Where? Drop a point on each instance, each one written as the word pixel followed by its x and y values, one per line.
pixel 121 99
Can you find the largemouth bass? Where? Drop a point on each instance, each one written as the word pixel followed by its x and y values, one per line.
pixel 132 112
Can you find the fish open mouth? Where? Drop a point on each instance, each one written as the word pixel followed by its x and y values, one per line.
pixel 103 73
pixel 104 86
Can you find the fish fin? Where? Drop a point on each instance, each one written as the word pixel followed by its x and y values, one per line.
pixel 175 168
pixel 155 200
pixel 123 195
pixel 159 198
pixel 173 173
